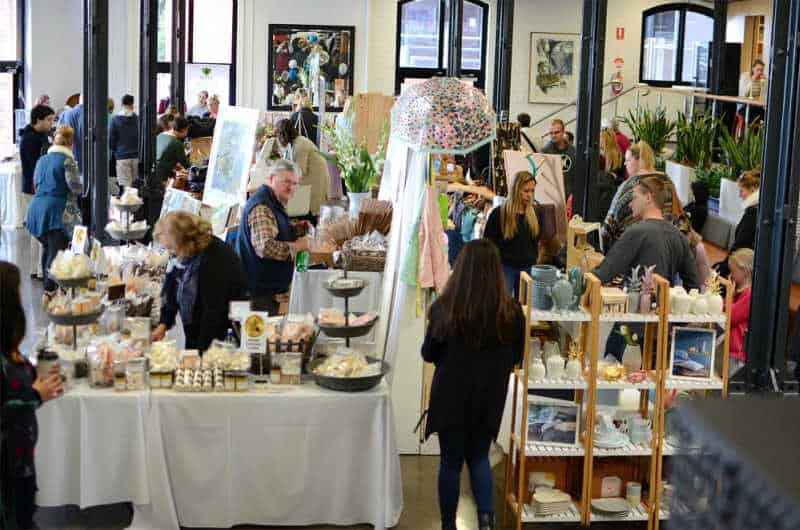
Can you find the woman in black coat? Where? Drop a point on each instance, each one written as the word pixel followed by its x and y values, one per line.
pixel 745 236
pixel 201 281
pixel 475 337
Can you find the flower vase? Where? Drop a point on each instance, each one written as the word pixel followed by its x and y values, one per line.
pixel 632 358
pixel 633 301
pixel 356 200
pixel 645 303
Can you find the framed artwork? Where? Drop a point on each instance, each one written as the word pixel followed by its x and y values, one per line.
pixel 179 200
pixel 299 53
pixel 692 353
pixel 231 155
pixel 553 422
pixel 554 67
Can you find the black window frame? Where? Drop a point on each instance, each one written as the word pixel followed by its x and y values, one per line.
pixel 165 67
pixel 17 69
pixel 682 9
pixel 401 73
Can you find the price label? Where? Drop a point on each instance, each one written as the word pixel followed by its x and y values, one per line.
pixel 80 235
pixel 254 332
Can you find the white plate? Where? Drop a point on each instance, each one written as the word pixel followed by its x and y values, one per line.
pixel 615 505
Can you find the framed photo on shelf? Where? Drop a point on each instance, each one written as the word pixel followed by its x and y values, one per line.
pixel 554 67
pixel 692 353
pixel 553 422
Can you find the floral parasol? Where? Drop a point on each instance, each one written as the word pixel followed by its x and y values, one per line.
pixel 443 115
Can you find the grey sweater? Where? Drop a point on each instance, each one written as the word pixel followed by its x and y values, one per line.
pixel 651 242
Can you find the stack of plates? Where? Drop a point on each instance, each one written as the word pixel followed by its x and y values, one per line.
pixel 546 501
pixel 544 277
pixel 613 506
pixel 612 440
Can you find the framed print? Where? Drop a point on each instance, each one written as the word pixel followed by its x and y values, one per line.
pixel 692 353
pixel 298 54
pixel 231 155
pixel 553 422
pixel 178 200
pixel 554 67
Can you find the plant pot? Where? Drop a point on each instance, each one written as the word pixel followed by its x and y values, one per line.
pixel 713 205
pixel 682 176
pixel 730 205
pixel 356 200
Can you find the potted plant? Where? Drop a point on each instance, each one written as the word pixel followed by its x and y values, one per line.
pixel 713 177
pixel 359 168
pixel 206 71
pixel 651 126
pixel 741 155
pixel 694 139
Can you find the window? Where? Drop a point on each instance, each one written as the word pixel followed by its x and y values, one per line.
pixel 11 71
pixel 676 45
pixel 210 49
pixel 422 40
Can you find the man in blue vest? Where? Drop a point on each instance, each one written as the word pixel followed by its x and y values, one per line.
pixel 268 241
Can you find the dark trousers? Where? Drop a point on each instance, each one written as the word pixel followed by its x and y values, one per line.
pixel 52 242
pixel 456 448
pixel 511 275
pixel 266 302
pixel 19 498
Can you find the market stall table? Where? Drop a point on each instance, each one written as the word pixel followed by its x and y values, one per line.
pixel 289 456
pixel 11 209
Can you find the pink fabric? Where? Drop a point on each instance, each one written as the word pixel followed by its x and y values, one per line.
pixel 740 320
pixel 702 263
pixel 434 268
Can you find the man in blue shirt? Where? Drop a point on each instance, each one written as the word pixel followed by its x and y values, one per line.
pixel 74 118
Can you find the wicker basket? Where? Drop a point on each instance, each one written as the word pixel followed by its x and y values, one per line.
pixel 364 260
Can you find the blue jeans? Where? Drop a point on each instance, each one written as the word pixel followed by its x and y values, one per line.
pixel 457 447
pixel 511 275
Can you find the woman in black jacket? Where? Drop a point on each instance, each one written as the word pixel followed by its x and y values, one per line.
pixel 475 337
pixel 514 228
pixel 745 236
pixel 201 281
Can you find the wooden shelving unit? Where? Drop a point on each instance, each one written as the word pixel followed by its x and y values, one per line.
pixel 579 469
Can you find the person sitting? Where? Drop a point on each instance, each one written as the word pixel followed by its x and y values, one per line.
pixel 202 105
pixel 514 229
pixel 313 168
pixel 611 158
pixel 749 184
pixel 475 337
pixel 213 107
pixel 697 210
pixel 560 145
pixel 54 210
pixel 305 121
pixel 204 276
pixel 268 242
pixel 741 267
pixel 21 393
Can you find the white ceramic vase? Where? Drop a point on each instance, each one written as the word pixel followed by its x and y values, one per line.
pixel 714 303
pixel 699 305
pixel 356 200
pixel 536 370
pixel 555 366
pixel 573 369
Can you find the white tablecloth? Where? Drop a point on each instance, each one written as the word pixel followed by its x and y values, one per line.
pixel 11 211
pixel 299 457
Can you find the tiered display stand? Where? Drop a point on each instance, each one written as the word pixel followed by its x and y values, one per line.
pixel 579 469
pixel 74 321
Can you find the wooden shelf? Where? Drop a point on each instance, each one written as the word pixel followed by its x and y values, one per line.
pixel 557 384
pixel 629 449
pixel 629 317
pixel 540 449
pixel 539 315
pixel 573 515
pixel 688 384
pixel 638 513
pixel 622 384
pixel 699 319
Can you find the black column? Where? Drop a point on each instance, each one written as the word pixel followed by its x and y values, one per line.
pixel 455 31
pixel 178 53
pixel 590 100
pixel 780 183
pixel 502 55
pixel 96 112
pixel 718 46
pixel 148 104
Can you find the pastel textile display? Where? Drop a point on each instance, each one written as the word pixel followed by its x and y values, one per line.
pixel 443 115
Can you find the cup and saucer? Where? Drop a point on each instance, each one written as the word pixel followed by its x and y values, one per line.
pixel 607 435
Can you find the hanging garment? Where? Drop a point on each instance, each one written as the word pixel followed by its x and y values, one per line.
pixel 433 266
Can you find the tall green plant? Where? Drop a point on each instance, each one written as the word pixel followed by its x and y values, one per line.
pixel 651 126
pixel 695 139
pixel 359 167
pixel 743 154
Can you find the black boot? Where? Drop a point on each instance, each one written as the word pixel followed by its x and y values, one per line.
pixel 486 521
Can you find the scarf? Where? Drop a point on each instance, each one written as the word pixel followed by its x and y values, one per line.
pixel 752 200
pixel 187 278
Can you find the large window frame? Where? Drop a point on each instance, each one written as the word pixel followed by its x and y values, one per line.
pixel 682 9
pixel 17 69
pixel 165 67
pixel 403 73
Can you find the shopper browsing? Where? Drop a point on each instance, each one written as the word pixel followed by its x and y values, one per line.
pixel 560 145
pixel 170 159
pixel 201 108
pixel 305 121
pixel 267 241
pixel 21 393
pixel 123 139
pixel 651 240
pixel 514 229
pixel 475 337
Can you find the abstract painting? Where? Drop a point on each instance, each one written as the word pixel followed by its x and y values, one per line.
pixel 298 54
pixel 554 67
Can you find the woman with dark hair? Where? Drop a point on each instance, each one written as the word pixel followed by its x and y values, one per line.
pixel 697 210
pixel 289 145
pixel 475 337
pixel 21 393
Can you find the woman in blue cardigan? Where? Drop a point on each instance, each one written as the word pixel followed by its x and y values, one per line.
pixel 54 209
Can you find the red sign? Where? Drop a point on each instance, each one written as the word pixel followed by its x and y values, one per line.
pixel 620 33
pixel 619 62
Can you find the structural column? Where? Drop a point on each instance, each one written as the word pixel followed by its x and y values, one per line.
pixel 148 104
pixel 718 45
pixel 590 100
pixel 95 67
pixel 178 53
pixel 504 37
pixel 455 33
pixel 780 184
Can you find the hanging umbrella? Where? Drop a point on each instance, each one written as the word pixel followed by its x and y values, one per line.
pixel 443 115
